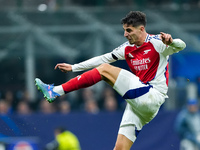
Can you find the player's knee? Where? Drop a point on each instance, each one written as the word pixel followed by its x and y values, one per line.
pixel 104 69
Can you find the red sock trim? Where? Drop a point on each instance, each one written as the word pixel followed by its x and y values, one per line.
pixel 87 79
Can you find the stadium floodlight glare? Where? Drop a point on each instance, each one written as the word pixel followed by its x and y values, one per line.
pixel 42 7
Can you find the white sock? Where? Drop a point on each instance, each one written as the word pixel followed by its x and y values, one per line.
pixel 59 90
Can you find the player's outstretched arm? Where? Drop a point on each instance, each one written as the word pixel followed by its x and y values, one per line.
pixel 64 67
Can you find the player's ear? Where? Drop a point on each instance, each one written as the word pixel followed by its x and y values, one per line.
pixel 142 28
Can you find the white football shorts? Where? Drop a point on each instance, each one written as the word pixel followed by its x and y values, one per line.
pixel 143 103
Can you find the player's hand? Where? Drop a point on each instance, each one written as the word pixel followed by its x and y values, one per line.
pixel 166 38
pixel 64 67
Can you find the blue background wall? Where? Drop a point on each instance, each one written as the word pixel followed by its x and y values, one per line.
pixel 186 65
pixel 95 132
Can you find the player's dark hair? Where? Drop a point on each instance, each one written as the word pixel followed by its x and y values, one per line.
pixel 135 18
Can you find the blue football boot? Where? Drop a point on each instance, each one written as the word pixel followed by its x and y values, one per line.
pixel 47 90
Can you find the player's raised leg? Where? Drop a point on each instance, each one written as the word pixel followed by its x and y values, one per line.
pixel 103 72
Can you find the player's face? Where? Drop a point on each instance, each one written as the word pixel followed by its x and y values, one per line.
pixel 133 34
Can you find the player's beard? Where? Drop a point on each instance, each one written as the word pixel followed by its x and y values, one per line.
pixel 133 40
